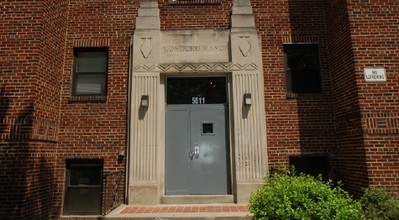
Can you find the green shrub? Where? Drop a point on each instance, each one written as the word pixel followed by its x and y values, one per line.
pixel 290 197
pixel 379 204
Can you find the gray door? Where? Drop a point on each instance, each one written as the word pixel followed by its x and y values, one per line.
pixel 197 150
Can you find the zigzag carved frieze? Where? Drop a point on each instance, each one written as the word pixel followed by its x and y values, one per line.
pixel 202 67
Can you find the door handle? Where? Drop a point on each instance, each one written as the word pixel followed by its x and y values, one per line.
pixel 194 152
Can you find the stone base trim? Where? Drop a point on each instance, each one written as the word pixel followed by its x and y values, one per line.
pixel 244 191
pixel 146 194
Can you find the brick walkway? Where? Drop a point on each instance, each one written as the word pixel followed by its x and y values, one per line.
pixel 184 209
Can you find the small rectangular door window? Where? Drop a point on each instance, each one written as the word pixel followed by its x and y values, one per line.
pixel 207 128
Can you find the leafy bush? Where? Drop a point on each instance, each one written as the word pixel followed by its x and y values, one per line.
pixel 379 204
pixel 290 197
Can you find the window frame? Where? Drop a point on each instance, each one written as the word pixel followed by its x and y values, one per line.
pixel 76 73
pixel 304 49
pixel 69 200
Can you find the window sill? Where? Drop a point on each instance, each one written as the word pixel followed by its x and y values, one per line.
pixel 88 99
pixel 291 95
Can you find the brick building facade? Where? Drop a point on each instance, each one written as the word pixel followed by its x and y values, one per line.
pixel 55 119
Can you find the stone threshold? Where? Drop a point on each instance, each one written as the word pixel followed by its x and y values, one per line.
pixel 199 199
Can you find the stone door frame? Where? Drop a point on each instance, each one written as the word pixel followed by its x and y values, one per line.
pixel 156 54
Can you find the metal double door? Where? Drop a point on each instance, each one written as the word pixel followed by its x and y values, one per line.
pixel 197 150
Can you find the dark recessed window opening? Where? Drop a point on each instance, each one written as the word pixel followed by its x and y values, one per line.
pixel 90 71
pixel 311 164
pixel 83 187
pixel 302 68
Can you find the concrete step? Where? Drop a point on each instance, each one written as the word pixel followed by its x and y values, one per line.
pixel 208 199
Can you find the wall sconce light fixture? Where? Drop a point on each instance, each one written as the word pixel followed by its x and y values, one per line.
pixel 144 102
pixel 121 156
pixel 247 99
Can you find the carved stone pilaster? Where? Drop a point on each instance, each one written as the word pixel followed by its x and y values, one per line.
pixel 250 134
pixel 143 171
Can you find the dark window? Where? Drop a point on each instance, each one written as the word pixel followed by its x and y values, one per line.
pixel 311 164
pixel 90 71
pixel 83 187
pixel 196 90
pixel 85 175
pixel 193 2
pixel 302 68
pixel 207 128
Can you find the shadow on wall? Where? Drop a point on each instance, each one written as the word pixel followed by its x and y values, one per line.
pixel 26 177
pixel 4 103
pixel 321 138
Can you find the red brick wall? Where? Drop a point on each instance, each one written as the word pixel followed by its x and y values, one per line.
pixel 51 61
pixel 195 17
pixel 19 57
pixel 346 105
pixel 375 40
pixel 296 124
pixel 92 129
pixel 31 59
pixel 364 34
pixel 18 60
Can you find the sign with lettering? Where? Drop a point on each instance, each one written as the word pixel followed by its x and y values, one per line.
pixel 205 46
pixel 174 49
pixel 376 74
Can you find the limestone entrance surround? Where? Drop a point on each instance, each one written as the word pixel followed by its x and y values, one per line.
pixel 155 54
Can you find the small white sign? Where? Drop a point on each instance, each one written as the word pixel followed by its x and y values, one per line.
pixel 376 74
